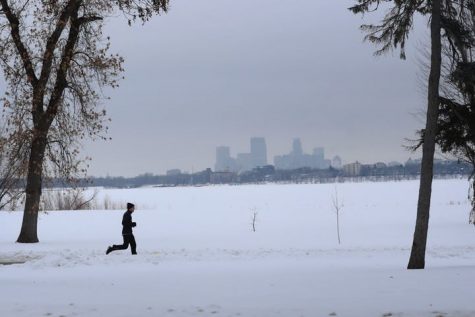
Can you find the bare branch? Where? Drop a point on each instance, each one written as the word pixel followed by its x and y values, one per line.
pixel 23 52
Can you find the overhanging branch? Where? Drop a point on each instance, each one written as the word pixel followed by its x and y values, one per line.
pixel 23 52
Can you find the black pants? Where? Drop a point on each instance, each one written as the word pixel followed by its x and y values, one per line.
pixel 128 239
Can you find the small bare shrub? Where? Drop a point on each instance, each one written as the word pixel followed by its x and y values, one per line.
pixel 108 204
pixel 67 199
pixel 254 219
pixel 337 206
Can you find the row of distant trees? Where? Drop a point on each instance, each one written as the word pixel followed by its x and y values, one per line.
pixel 55 59
pixel 268 174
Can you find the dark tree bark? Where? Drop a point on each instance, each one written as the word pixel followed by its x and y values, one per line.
pixel 28 233
pixel 417 258
pixel 43 120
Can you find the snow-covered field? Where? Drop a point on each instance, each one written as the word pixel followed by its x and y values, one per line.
pixel 198 255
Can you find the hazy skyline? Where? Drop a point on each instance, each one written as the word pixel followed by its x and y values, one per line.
pixel 216 73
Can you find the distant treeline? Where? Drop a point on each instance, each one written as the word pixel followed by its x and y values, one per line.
pixel 270 174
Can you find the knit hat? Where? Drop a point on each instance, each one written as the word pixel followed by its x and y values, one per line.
pixel 130 205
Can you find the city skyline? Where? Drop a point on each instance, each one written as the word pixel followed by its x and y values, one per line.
pixel 257 157
pixel 271 155
pixel 309 150
pixel 225 160
pixel 243 161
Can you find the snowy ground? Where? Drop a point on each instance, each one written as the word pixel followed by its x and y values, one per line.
pixel 198 255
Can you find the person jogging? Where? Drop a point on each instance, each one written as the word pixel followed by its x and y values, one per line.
pixel 127 234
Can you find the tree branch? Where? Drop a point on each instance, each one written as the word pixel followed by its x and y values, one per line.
pixel 51 45
pixel 15 32
pixel 61 82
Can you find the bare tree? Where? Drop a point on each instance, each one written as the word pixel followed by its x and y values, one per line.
pixel 337 206
pixel 55 58
pixel 254 219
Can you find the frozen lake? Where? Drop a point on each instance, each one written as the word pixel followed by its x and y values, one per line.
pixel 198 254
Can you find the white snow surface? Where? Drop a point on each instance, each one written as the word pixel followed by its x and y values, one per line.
pixel 198 256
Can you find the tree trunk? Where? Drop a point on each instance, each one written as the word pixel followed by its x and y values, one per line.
pixel 338 226
pixel 28 233
pixel 471 218
pixel 417 259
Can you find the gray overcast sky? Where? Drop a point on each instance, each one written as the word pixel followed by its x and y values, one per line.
pixel 217 72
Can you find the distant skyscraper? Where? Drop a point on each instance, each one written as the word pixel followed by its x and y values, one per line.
pixel 244 162
pixel 319 153
pixel 258 152
pixel 297 158
pixel 297 147
pixel 223 159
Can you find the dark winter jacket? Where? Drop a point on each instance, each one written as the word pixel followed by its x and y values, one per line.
pixel 127 223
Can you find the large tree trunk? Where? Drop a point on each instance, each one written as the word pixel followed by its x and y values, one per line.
pixel 417 259
pixel 28 233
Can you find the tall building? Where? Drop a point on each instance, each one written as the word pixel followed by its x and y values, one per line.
pixel 243 161
pixel 258 152
pixel 224 161
pixel 297 158
pixel 352 169
pixel 297 147
pixel 319 153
